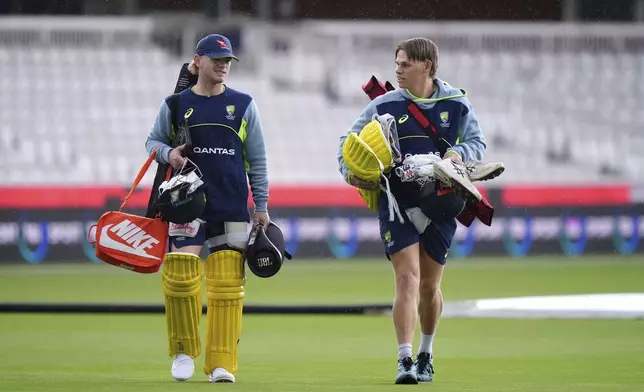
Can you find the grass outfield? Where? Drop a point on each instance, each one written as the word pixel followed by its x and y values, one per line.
pixel 71 353
pixel 335 282
pixel 327 353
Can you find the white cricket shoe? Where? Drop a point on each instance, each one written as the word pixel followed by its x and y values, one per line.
pixel 221 375
pixel 455 175
pixel 183 367
pixel 483 171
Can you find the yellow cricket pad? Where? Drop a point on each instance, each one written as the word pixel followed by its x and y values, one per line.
pixel 181 276
pixel 360 159
pixel 225 292
pixel 373 135
pixel 371 196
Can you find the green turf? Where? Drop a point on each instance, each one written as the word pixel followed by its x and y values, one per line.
pixel 329 281
pixel 307 353
pixel 327 353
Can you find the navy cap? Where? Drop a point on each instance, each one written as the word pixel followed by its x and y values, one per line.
pixel 215 46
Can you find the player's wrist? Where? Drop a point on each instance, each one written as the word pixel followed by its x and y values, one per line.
pixel 164 154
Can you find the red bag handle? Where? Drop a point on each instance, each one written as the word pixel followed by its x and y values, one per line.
pixel 139 177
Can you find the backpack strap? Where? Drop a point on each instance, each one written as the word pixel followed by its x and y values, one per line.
pixel 180 130
pixel 185 81
pixel 173 104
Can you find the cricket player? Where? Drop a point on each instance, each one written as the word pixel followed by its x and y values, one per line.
pixel 417 248
pixel 228 147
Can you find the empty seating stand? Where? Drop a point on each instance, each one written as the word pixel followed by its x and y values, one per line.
pixel 81 115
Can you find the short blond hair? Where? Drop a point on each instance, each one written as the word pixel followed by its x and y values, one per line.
pixel 421 49
pixel 192 68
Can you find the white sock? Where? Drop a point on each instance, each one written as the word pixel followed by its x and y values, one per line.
pixel 404 350
pixel 426 343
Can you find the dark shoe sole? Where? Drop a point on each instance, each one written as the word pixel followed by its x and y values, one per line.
pixel 492 175
pixel 408 379
pixel 464 193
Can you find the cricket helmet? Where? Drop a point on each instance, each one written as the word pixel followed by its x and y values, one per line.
pixel 182 199
pixel 439 203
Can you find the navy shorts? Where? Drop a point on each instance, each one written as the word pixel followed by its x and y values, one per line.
pixel 436 240
pixel 206 231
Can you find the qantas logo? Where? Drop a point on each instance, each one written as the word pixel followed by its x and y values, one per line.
pixel 216 151
pixel 129 238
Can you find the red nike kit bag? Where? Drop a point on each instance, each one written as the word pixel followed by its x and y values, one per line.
pixel 130 241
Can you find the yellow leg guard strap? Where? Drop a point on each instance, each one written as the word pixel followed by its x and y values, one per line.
pixel 182 274
pixel 225 292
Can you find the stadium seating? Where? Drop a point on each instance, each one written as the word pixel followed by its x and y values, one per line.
pixel 81 115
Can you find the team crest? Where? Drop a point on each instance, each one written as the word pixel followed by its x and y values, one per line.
pixel 230 109
pixel 390 243
pixel 445 119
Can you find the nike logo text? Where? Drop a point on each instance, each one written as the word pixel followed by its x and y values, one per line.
pixel 136 240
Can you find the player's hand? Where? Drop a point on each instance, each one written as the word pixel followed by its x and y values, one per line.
pixel 261 218
pixel 175 158
pixel 360 183
pixel 453 156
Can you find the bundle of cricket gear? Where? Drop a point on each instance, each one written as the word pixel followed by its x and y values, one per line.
pixel 182 198
pixel 373 154
pixel 370 156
